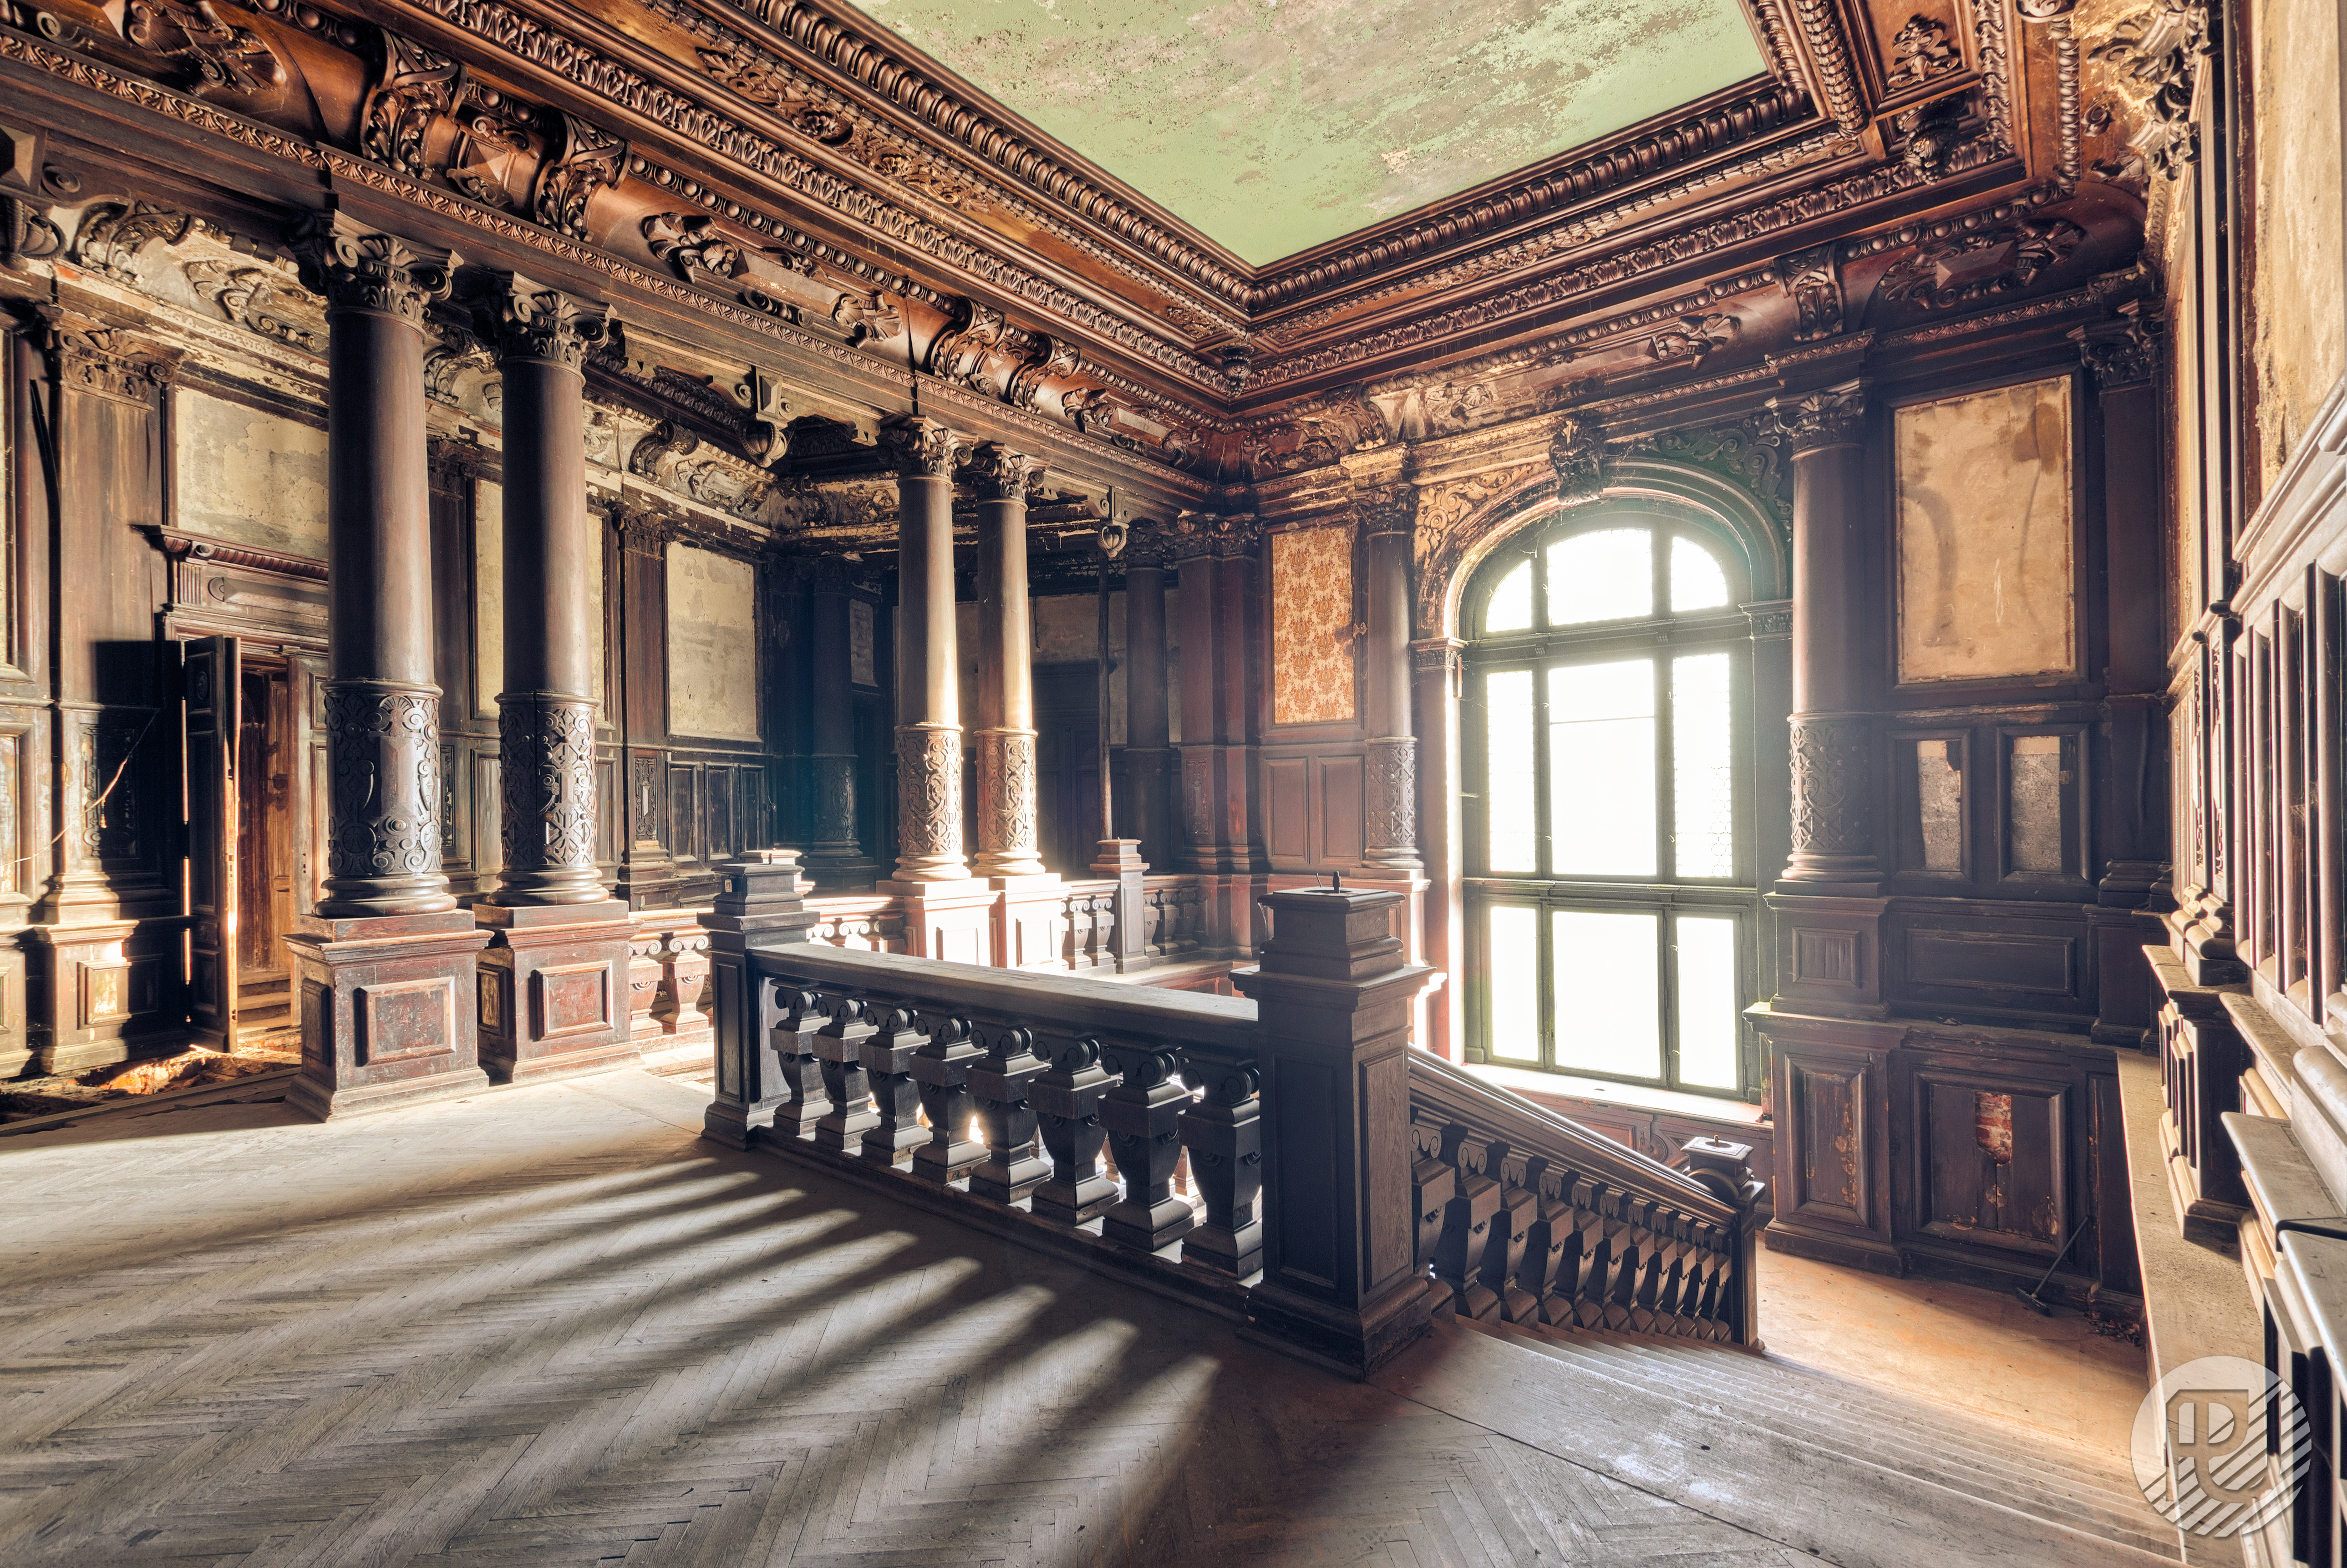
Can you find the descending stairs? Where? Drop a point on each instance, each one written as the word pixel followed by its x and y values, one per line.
pixel 1853 1472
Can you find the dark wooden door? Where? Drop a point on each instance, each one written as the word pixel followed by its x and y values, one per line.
pixel 306 790
pixel 214 679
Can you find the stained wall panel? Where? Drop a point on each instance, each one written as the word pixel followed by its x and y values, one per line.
pixel 246 477
pixel 1985 588
pixel 712 642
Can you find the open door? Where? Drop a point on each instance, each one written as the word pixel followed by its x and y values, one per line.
pixel 214 679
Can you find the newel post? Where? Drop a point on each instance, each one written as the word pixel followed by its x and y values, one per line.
pixel 1726 1169
pixel 1333 996
pixel 763 900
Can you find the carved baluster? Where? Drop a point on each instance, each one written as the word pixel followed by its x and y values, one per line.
pixel 1601 1236
pixel 1143 1115
pixel 887 1055
pixel 838 1047
pixel 1224 1135
pixel 1582 1231
pixel 797 1071
pixel 1002 1080
pixel 1067 1101
pixel 1504 1249
pixel 1432 1184
pixel 1634 1246
pixel 1546 1237
pixel 941 1068
pixel 1466 1226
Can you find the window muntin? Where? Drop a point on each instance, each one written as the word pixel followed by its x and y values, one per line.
pixel 1612 892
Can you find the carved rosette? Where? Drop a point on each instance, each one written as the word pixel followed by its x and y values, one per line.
pixel 1833 811
pixel 919 448
pixel 383 830
pixel 928 805
pixel 1813 421
pixel 534 321
pixel 1393 801
pixel 996 472
pixel 547 740
pixel 359 270
pixel 1006 804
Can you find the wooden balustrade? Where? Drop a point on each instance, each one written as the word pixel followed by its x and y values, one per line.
pixel 1285 1156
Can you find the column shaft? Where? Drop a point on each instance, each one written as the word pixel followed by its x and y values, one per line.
pixel 1147 735
pixel 928 696
pixel 1006 689
pixel 546 714
pixel 835 850
pixel 1392 745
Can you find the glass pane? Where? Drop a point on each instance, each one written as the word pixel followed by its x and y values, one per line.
pixel 1940 796
pixel 2034 807
pixel 1703 770
pixel 1605 964
pixel 1605 576
pixel 1508 705
pixel 1707 1001
pixel 1512 948
pixel 1697 581
pixel 1601 761
pixel 1511 609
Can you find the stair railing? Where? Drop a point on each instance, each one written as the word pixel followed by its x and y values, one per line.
pixel 1071 1106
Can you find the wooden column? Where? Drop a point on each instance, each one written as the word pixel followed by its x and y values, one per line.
pixel 648 877
pixel 2131 819
pixel 554 978
pixel 1390 515
pixel 949 914
pixel 1333 996
pixel 1221 681
pixel 1006 688
pixel 386 966
pixel 1827 899
pixel 1148 743
pixel 835 857
pixel 1435 669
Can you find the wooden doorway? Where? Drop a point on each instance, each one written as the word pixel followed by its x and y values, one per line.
pixel 244 746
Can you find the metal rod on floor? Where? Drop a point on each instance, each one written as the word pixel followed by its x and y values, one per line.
pixel 2031 1298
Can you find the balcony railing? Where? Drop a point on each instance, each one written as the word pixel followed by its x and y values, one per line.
pixel 1341 1186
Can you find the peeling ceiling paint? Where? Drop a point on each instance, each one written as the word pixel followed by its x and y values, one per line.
pixel 1274 126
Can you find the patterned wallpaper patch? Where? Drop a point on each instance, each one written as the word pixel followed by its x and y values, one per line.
pixel 1312 626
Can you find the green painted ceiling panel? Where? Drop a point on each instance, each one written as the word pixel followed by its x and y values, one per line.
pixel 1275 125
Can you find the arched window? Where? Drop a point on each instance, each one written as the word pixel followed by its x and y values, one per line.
pixel 1611 887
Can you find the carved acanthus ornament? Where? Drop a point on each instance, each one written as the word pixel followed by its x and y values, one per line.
pixel 219 55
pixel 1813 280
pixel 693 244
pixel 589 158
pixel 112 234
pixel 534 321
pixel 1921 51
pixel 1577 453
pixel 107 360
pixel 1198 534
pixel 247 297
pixel 918 447
pixel 1746 454
pixel 359 270
pixel 2123 352
pixel 1453 517
pixel 1966 267
pixel 2156 52
pixel 413 89
pixel 1388 509
pixel 1813 421
pixel 995 472
pixel 450 352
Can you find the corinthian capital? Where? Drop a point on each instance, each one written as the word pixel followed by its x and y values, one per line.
pixel 358 269
pixel 1388 509
pixel 995 472
pixel 1812 421
pixel 918 447
pixel 534 321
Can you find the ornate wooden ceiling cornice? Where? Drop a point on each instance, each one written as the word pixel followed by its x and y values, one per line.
pixel 790 160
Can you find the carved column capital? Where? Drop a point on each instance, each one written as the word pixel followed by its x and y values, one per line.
pixel 2044 10
pixel 358 269
pixel 1388 509
pixel 2123 353
pixel 531 320
pixel 1577 453
pixel 1813 421
pixel 995 472
pixel 918 447
pixel 1198 534
pixel 93 356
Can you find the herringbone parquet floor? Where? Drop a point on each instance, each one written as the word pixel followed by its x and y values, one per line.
pixel 552 1326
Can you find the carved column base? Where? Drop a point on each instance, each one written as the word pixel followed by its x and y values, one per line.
pixel 1829 955
pixel 545 741
pixel 928 805
pixel 1392 816
pixel 1006 806
pixel 553 993
pixel 948 920
pixel 1833 809
pixel 383 752
pixel 388 1011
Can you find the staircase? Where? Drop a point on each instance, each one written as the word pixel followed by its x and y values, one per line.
pixel 1850 1471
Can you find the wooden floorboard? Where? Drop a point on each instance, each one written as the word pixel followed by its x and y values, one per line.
pixel 551 1326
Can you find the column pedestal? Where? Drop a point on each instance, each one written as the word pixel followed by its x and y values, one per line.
pixel 949 920
pixel 1030 928
pixel 554 989
pixel 386 1010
